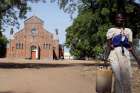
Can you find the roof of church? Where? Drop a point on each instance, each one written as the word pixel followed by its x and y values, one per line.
pixel 34 17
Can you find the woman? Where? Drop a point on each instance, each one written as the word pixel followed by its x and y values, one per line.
pixel 120 42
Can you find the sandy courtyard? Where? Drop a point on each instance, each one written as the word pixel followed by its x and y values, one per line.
pixel 64 79
pixel 46 80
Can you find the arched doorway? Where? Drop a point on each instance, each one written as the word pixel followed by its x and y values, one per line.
pixel 34 52
pixel 54 54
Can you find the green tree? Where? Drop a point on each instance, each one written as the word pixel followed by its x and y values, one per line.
pixel 3 43
pixel 10 11
pixel 87 35
pixel 3 40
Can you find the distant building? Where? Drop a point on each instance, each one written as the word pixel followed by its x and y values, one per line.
pixel 33 42
pixel 68 56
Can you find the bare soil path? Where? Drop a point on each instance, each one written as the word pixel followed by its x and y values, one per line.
pixel 47 80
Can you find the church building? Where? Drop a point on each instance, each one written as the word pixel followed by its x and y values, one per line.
pixel 34 42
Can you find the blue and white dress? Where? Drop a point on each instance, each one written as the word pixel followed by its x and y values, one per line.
pixel 120 63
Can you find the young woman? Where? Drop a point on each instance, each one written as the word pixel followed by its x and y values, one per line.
pixel 120 43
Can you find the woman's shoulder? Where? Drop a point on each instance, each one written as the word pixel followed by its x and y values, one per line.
pixel 112 29
pixel 128 30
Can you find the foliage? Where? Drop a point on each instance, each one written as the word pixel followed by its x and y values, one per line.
pixel 134 22
pixel 86 37
pixel 3 43
pixel 10 11
pixel 3 40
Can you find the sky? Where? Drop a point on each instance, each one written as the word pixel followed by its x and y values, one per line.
pixel 53 18
pixel 138 1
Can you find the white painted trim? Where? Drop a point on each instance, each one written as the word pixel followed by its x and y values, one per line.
pixel 36 53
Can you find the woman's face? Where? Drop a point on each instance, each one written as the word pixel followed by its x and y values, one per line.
pixel 119 22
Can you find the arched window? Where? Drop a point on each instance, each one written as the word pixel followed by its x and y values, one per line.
pixel 22 46
pixel 17 46
pixel 45 46
pixel 33 30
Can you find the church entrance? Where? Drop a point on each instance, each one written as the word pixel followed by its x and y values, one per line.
pixel 34 52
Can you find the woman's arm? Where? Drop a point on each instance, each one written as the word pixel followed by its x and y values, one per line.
pixel 132 50
pixel 108 49
pixel 109 44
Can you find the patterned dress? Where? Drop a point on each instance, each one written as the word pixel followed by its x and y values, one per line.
pixel 120 63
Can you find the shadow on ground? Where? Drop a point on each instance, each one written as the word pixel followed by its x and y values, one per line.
pixel 11 92
pixel 7 92
pixel 46 65
pixel 43 65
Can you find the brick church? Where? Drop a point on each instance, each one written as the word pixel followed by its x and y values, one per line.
pixel 34 42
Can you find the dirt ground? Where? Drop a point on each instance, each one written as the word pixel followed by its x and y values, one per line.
pixel 64 79
pixel 45 80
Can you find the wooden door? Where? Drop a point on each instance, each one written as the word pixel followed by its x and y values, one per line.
pixel 33 54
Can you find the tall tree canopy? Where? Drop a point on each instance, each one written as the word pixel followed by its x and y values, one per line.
pixel 3 42
pixel 10 11
pixel 87 35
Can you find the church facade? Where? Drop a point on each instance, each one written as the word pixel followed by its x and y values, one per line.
pixel 34 42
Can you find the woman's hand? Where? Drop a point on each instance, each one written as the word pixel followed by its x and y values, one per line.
pixel 112 46
pixel 130 49
pixel 135 55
